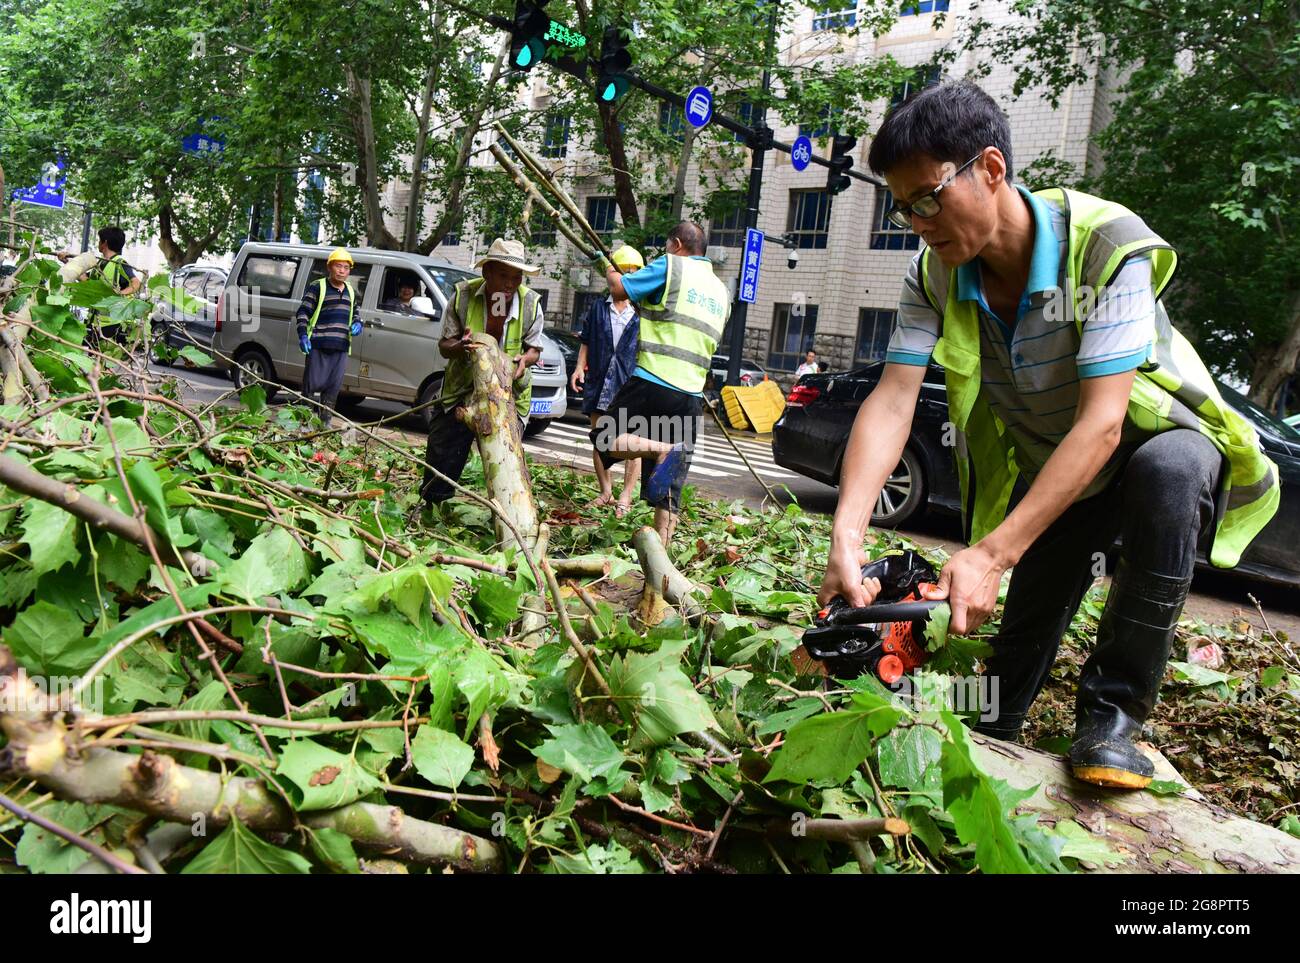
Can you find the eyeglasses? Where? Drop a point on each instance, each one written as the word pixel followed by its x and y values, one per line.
pixel 927 205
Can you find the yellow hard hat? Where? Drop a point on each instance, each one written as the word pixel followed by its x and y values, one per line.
pixel 339 254
pixel 628 257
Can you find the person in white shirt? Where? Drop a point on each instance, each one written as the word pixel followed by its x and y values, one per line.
pixel 809 365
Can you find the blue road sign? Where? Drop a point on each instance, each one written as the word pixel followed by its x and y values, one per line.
pixel 699 106
pixel 49 191
pixel 204 145
pixel 801 153
pixel 749 267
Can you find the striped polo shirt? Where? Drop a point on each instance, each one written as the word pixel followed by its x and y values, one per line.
pixel 1030 368
pixel 331 331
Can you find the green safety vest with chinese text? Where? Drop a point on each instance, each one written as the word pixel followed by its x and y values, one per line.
pixel 680 331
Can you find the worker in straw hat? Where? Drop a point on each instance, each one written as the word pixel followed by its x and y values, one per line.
pixel 327 322
pixel 610 334
pixel 501 306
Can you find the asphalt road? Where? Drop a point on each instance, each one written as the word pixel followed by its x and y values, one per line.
pixel 1216 597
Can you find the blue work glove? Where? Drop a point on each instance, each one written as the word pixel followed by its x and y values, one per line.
pixel 356 328
pixel 304 342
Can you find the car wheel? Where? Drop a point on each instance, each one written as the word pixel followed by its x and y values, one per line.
pixel 536 426
pixel 903 495
pixel 254 367
pixel 427 394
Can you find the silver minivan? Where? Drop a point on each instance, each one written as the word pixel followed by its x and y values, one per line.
pixel 395 356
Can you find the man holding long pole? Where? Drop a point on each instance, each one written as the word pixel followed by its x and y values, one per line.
pixel 656 414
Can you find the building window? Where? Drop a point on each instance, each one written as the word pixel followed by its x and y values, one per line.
pixel 875 325
pixel 499 226
pixel 451 238
pixel 556 143
pixel 835 19
pixel 823 126
pixel 885 235
pixel 602 213
pixel 810 218
pixel 923 6
pixel 745 113
pixel 922 77
pixel 672 121
pixel 727 219
pixel 541 229
pixel 793 327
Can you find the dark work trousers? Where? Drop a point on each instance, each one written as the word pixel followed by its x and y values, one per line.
pixel 1161 502
pixel 448 451
pixel 324 378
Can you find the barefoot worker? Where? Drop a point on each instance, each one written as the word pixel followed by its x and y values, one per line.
pixel 606 360
pixel 683 308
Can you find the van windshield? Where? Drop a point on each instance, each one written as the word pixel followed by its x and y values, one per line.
pixel 447 278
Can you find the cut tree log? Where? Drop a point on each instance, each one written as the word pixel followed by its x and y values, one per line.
pixel 662 577
pixel 1153 834
pixel 490 414
pixel 43 748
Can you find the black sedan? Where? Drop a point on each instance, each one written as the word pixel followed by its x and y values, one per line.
pixel 812 434
pixel 203 283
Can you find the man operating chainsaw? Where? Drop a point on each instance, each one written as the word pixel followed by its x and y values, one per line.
pixel 1062 372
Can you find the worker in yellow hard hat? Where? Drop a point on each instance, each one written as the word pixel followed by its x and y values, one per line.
pixel 610 334
pixel 327 322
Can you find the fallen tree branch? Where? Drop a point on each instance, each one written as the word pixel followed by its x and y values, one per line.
pixel 20 478
pixel 41 747
pixel 662 576
pixel 68 836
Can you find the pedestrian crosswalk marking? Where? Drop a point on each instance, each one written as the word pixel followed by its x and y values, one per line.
pixel 570 444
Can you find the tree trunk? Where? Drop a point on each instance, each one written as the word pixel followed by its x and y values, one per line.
pixel 362 120
pixel 451 212
pixel 679 186
pixel 422 135
pixel 1153 834
pixel 624 191
pixel 490 414
pixel 1278 364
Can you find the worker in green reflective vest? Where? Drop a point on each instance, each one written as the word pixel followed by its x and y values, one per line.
pixel 498 304
pixel 1067 388
pixel 112 268
pixel 656 414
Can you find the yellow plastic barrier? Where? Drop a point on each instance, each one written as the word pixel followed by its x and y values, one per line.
pixel 757 407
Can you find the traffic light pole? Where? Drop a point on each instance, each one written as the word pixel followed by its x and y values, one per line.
pixel 759 137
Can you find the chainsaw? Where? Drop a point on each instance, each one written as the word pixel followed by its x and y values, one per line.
pixel 886 638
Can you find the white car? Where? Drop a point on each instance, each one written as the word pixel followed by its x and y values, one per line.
pixel 550 400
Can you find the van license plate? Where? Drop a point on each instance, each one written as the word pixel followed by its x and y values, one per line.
pixel 540 408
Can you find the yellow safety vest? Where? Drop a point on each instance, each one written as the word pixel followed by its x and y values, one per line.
pixel 320 303
pixel 458 380
pixel 1173 389
pixel 680 331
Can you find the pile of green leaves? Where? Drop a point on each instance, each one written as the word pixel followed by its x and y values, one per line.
pixel 704 725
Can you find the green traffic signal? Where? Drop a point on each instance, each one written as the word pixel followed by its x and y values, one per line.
pixel 612 82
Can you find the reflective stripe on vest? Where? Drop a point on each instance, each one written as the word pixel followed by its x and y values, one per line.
pixel 680 332
pixel 1173 389
pixel 457 380
pixel 320 303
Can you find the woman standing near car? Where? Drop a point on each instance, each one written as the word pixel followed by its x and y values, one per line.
pixel 609 335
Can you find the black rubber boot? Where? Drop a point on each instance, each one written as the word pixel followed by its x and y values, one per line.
pixel 1121 680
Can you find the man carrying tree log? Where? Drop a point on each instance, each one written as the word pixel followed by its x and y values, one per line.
pixel 683 308
pixel 1061 367
pixel 501 306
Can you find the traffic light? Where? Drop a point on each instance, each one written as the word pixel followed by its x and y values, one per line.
pixel 527 36
pixel 838 178
pixel 612 82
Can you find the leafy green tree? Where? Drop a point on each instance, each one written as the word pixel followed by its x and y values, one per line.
pixel 1202 145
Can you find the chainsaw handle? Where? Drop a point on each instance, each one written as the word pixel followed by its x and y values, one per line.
pixel 892 612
